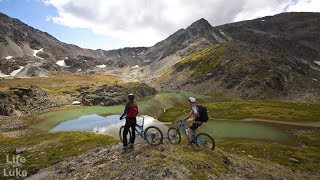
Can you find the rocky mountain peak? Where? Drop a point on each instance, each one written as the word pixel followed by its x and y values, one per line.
pixel 201 23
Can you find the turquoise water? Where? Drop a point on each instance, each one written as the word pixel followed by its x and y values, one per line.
pixel 91 122
pixel 105 125
pixel 217 129
pixel 244 130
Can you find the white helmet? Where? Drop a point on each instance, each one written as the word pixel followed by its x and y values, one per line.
pixel 192 99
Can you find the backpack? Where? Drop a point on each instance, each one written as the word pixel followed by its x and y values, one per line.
pixel 203 113
pixel 133 111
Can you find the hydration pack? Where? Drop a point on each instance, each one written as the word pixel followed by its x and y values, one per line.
pixel 203 113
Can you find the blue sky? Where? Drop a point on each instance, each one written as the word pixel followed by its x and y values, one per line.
pixel 112 24
pixel 35 12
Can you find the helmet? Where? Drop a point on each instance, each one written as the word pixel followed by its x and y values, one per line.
pixel 131 96
pixel 192 99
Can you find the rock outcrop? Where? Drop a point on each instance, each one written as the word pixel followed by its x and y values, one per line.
pixel 25 100
pixel 111 95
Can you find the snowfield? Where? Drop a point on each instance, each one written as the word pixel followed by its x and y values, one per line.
pixel 15 72
pixel 101 66
pixel 61 63
pixel 36 51
pixel 8 57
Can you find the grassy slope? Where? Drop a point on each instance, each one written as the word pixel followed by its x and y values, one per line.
pixel 204 60
pixel 60 84
pixel 200 63
pixel 269 110
pixel 45 149
pixel 308 155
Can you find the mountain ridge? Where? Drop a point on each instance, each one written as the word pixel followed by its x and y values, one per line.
pixel 286 40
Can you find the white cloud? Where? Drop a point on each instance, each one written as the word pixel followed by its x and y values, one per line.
pixel 145 22
pixel 304 6
pixel 254 9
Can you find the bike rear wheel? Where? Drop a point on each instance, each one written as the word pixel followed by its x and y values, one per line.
pixel 121 134
pixel 174 136
pixel 153 136
pixel 205 140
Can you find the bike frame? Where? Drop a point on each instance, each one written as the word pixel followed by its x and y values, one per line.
pixel 184 128
pixel 144 133
pixel 141 133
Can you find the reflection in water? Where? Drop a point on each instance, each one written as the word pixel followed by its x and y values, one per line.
pixel 218 129
pixel 105 125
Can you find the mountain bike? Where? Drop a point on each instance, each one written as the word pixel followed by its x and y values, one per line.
pixel 201 139
pixel 151 134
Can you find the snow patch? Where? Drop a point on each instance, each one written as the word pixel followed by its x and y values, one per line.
pixel 136 66
pixel 317 62
pixel 3 75
pixel 79 70
pixel 140 53
pixel 262 20
pixel 8 57
pixel 15 72
pixel 224 34
pixel 314 79
pixel 101 66
pixel 219 39
pixel 61 63
pixel 76 103
pixel 36 51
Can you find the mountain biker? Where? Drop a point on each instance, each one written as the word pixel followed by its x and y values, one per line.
pixel 130 111
pixel 194 111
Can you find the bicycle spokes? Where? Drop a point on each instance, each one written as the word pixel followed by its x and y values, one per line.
pixel 153 135
pixel 174 136
pixel 205 140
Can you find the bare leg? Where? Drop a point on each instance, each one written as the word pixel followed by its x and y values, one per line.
pixel 189 134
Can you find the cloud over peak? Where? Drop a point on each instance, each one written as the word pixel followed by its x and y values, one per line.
pixel 145 22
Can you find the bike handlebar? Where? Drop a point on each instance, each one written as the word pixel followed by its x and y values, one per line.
pixel 179 121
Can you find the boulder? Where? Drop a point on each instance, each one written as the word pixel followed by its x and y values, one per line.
pixel 111 95
pixel 92 99
pixel 21 150
pixel 23 100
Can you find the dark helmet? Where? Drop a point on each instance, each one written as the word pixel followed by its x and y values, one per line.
pixel 131 97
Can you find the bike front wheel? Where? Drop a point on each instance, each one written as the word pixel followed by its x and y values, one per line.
pixel 153 136
pixel 174 136
pixel 121 134
pixel 205 140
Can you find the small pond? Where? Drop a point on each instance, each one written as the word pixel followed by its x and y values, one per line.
pixel 217 129
pixel 245 130
pixel 109 124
